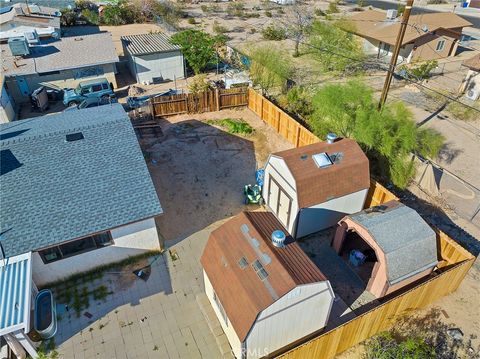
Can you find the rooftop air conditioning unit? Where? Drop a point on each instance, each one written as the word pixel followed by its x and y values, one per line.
pixel 392 14
pixel 32 37
pixel 18 46
pixel 473 94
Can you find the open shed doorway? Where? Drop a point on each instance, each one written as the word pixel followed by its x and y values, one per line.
pixel 359 255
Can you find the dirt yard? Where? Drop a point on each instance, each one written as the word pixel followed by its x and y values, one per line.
pixel 199 169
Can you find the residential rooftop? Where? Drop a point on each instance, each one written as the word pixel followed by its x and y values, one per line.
pixel 145 44
pixel 374 24
pixel 473 63
pixel 229 261
pixel 349 173
pixel 63 54
pixel 43 15
pixel 54 190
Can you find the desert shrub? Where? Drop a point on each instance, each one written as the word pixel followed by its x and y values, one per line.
pixel 385 346
pixel 464 113
pixel 219 29
pixel 268 13
pixel 400 9
pixel 361 3
pixel 319 12
pixel 298 100
pixel 387 137
pixel 204 8
pixel 280 11
pixel 333 8
pixel 436 2
pixel 169 12
pixel 272 32
pixel 270 68
pixel 253 30
pixel 120 13
pixel 84 5
pixel 191 21
pixel 421 71
pixel 91 16
pixel 236 9
pixel 198 84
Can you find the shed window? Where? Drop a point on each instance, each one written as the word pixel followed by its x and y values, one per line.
pixel 440 45
pixel 243 263
pixel 261 272
pixel 75 247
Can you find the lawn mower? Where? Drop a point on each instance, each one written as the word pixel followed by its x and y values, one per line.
pixel 253 193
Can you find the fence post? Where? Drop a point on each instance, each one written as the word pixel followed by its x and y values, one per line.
pixel 152 108
pixel 217 99
pixel 297 140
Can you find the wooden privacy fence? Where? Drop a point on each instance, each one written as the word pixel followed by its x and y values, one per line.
pixel 212 100
pixel 454 260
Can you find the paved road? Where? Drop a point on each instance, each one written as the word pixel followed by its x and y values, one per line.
pixel 385 5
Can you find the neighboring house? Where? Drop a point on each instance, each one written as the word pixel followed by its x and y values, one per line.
pixel 76 192
pixel 17 19
pixel 428 36
pixel 471 84
pixel 404 245
pixel 152 58
pixel 59 64
pixel 7 106
pixel 266 295
pixel 311 188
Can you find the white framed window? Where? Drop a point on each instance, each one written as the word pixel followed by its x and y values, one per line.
pixel 440 45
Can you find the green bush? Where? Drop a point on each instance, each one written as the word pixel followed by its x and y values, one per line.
pixel 91 16
pixel 385 346
pixel 299 101
pixel 68 18
pixel 333 8
pixel 421 71
pixel 191 21
pixel 235 126
pixel 271 32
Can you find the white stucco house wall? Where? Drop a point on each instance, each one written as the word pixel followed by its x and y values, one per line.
pixel 266 294
pixel 471 85
pixel 84 200
pixel 311 188
pixel 152 58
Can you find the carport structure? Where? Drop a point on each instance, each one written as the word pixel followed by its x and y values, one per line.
pixel 16 292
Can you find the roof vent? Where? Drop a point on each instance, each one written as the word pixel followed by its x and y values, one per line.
pixel 331 137
pixel 278 238
pixel 18 46
pixel 71 137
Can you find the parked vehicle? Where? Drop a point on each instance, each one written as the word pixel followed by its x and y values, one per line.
pixel 98 88
pixel 94 102
pixel 134 102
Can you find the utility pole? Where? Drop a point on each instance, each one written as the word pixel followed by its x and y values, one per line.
pixel 396 51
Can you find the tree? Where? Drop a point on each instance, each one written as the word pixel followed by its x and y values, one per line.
pixel 269 68
pixel 388 137
pixel 198 47
pixel 334 45
pixel 297 22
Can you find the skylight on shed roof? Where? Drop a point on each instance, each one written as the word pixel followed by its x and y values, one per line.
pixel 322 160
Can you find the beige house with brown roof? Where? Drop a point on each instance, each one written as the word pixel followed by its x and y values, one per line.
pixel 264 289
pixel 311 188
pixel 427 37
pixel 471 84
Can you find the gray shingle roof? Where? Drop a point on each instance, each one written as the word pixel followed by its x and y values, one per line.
pixel 52 190
pixel 148 44
pixel 409 244
pixel 66 53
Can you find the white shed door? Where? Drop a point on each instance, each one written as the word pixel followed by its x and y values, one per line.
pixel 284 204
pixel 273 196
pixel 279 202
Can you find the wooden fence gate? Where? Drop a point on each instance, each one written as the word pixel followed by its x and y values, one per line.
pixel 212 100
